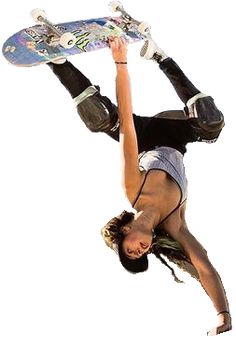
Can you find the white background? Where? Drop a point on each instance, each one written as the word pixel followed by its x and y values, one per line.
pixel 59 184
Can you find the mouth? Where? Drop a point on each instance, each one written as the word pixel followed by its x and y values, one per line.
pixel 136 257
pixel 131 258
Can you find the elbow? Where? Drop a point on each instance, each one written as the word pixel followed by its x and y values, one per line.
pixel 206 269
pixel 202 263
pixel 125 188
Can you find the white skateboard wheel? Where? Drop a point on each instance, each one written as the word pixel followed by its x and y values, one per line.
pixel 12 49
pixel 7 49
pixel 144 28
pixel 67 40
pixel 36 14
pixel 115 6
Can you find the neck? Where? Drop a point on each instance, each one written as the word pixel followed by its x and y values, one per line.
pixel 148 217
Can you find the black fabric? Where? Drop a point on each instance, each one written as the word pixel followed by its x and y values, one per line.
pixel 156 131
pixel 182 85
pixel 74 81
pixel 169 128
pixel 209 121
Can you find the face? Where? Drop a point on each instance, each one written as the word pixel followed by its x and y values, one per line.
pixel 136 243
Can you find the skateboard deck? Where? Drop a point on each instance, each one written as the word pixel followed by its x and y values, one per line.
pixel 29 46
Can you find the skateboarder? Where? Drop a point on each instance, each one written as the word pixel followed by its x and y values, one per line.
pixel 154 179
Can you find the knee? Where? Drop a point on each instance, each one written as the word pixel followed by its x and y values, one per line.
pixel 206 119
pixel 96 111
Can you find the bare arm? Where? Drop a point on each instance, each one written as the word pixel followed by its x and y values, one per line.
pixel 131 176
pixel 209 277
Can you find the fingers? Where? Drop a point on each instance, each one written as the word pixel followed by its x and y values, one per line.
pixel 117 42
pixel 118 48
pixel 114 42
pixel 212 332
pixel 218 330
pixel 123 41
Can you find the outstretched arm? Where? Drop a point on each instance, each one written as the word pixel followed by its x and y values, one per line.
pixel 209 277
pixel 131 176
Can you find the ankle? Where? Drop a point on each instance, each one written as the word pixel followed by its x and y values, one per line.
pixel 159 58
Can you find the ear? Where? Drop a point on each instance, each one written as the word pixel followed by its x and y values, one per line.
pixel 125 229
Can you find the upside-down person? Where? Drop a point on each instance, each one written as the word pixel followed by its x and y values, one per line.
pixel 154 181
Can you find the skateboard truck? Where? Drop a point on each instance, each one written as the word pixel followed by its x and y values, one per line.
pixel 56 37
pixel 143 27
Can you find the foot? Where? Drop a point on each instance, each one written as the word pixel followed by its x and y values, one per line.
pixel 150 50
pixel 61 60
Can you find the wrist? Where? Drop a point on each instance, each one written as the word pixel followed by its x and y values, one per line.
pixel 121 62
pixel 224 319
pixel 224 312
pixel 121 67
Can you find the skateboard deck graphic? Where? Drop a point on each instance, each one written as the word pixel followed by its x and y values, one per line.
pixel 29 47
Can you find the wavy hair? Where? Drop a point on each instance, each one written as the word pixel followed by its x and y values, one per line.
pixel 162 245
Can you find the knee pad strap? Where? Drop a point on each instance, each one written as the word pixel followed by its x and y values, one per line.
pixel 191 105
pixel 91 90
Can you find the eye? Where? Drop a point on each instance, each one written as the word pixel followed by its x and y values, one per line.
pixel 143 245
pixel 129 251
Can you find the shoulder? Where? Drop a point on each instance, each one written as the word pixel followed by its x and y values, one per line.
pixel 133 191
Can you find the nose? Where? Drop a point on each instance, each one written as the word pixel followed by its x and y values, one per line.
pixel 139 252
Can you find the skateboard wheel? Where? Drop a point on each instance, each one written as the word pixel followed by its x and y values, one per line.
pixel 12 49
pixel 115 6
pixel 67 40
pixel 38 15
pixel 144 28
pixel 7 49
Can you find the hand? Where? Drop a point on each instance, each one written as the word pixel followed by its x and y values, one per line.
pixel 118 48
pixel 223 326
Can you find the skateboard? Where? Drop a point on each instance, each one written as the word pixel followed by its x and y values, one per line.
pixel 45 42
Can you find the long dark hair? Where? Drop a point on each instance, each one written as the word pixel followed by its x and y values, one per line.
pixel 162 245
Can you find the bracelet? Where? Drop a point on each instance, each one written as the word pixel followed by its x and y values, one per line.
pixel 223 312
pixel 121 62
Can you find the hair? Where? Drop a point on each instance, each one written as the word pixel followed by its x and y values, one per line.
pixel 162 244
